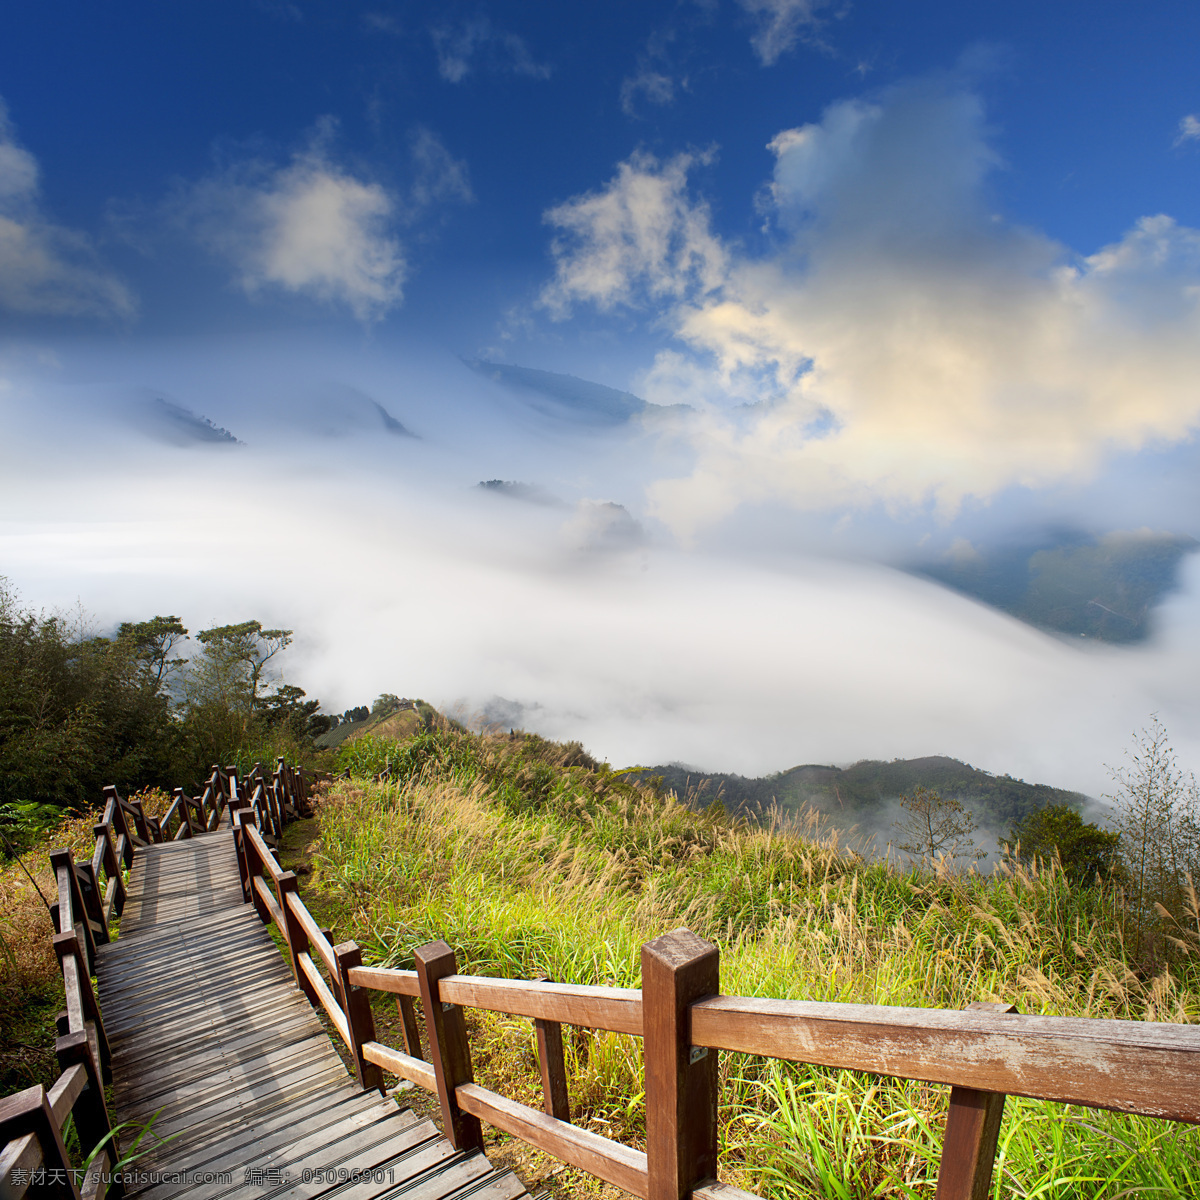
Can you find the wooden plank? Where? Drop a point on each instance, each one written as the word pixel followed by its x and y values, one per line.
pixel 22 1153
pixel 291 1153
pixel 316 936
pixel 250 958
pixel 65 1090
pixel 212 1127
pixel 328 999
pixel 239 1144
pixel 222 939
pixel 1128 1066
pixel 387 979
pixel 681 1080
pixel 261 1072
pixel 611 1161
pixel 412 1170
pixel 363 1152
pixel 193 1067
pixel 161 995
pixel 404 1065
pixel 711 1189
pixel 617 1009
pixel 262 989
pixel 507 1187
pixel 438 1175
pixel 213 1110
pixel 193 1029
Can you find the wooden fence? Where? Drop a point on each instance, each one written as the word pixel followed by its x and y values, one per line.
pixel 32 1121
pixel 984 1054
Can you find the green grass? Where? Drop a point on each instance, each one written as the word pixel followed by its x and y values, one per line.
pixel 530 858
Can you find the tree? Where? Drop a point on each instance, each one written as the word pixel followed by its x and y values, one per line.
pixel 1085 851
pixel 77 711
pixel 152 643
pixel 286 707
pixel 936 827
pixel 231 670
pixel 1158 819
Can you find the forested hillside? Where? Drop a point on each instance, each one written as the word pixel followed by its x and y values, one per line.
pixel 866 793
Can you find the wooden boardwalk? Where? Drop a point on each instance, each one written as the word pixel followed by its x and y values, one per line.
pixel 209 1031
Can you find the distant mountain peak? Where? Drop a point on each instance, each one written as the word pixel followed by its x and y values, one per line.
pixel 595 402
pixel 182 426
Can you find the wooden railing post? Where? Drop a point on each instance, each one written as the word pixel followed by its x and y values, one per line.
pixel 555 1098
pixel 120 823
pixel 239 845
pixel 185 810
pixel 297 939
pixel 93 902
pixel 678 969
pixel 72 916
pixel 77 985
pixel 112 868
pixel 972 1131
pixel 408 1022
pixel 90 1112
pixel 446 1029
pixel 30 1112
pixel 356 1004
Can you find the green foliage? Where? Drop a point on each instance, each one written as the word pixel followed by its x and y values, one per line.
pixel 529 857
pixel 936 827
pixel 76 711
pixel 21 825
pixel 863 794
pixel 1158 817
pixel 1087 852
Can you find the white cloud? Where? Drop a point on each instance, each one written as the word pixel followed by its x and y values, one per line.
pixel 904 346
pixel 648 83
pixel 644 652
pixel 310 227
pixel 45 268
pixel 1189 130
pixel 780 24
pixel 654 77
pixel 640 236
pixel 459 48
pixel 439 177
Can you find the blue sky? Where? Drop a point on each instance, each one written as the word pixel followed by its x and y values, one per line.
pixel 926 276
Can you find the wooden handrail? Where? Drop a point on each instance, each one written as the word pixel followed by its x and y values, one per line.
pixel 327 998
pixel 1146 1067
pixel 611 1161
pixel 318 941
pixel 31 1133
pixel 404 1065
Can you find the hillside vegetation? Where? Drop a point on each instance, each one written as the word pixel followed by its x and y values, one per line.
pixel 865 794
pixel 531 858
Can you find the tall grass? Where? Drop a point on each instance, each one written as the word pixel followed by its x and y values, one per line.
pixel 530 858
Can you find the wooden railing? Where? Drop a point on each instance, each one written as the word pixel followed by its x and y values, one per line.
pixel 31 1121
pixel 984 1053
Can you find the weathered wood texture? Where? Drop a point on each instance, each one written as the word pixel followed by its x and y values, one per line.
pixel 681 1080
pixel 209 1031
pixel 1148 1067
